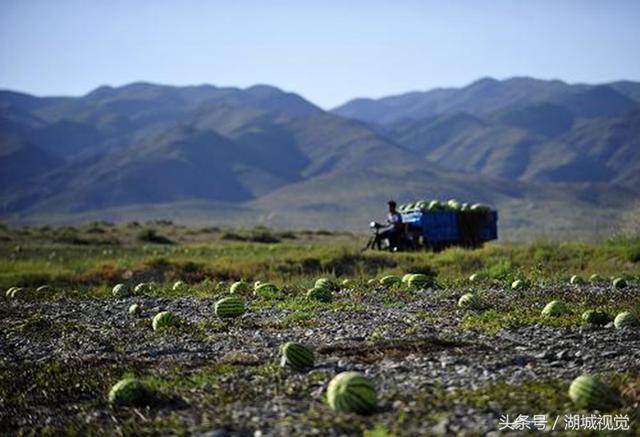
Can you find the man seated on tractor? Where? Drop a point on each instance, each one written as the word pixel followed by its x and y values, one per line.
pixel 394 223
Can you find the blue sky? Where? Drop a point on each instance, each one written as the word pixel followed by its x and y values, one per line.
pixel 328 51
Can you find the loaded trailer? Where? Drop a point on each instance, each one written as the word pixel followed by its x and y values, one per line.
pixel 437 230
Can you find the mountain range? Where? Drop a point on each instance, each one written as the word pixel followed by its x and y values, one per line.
pixel 552 157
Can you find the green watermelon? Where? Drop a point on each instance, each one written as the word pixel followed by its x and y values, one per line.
pixel 266 290
pixel 595 317
pixel 595 278
pixel 296 355
pixel 589 393
pixel 43 289
pixel 348 283
pixel 434 205
pixel 405 278
pixel 129 392
pixel 577 280
pixel 554 308
pixel 142 288
pixel 468 300
pixel 418 281
pixel 120 290
pixel 352 392
pixel 619 283
pixel 390 280
pixel 134 309
pixel 319 294
pixel 326 283
pixel 163 319
pixel 625 319
pixel 372 281
pixel 9 292
pixel 180 286
pixel 480 207
pixel 239 287
pixel 229 307
pixel 475 277
pixel 17 292
pixel 518 284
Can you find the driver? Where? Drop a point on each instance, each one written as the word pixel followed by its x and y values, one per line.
pixel 394 225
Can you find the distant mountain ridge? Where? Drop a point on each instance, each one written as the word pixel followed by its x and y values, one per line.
pixel 520 128
pixel 262 155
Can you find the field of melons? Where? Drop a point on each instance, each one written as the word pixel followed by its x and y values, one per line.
pixel 157 328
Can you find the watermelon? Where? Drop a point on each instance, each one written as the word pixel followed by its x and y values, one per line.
pixel 405 278
pixel 418 280
pixel 319 294
pixel 479 207
pixel 229 307
pixel 518 284
pixel 625 319
pixel 595 317
pixel 163 319
pixel 129 392
pixel 296 356
pixel 589 393
pixel 595 278
pixel 372 281
pixel 390 280
pixel 434 205
pixel 239 287
pixel 468 300
pixel 577 280
pixel 43 289
pixel 9 292
pixel 554 308
pixel 619 283
pixel 17 292
pixel 325 283
pixel 180 286
pixel 135 309
pixel 266 290
pixel 142 288
pixel 475 277
pixel 352 392
pixel 348 283
pixel 120 290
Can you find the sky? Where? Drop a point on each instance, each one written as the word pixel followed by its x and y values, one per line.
pixel 327 51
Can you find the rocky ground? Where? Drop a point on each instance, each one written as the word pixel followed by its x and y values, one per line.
pixel 438 369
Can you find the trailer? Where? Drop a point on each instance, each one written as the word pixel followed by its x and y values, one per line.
pixel 437 230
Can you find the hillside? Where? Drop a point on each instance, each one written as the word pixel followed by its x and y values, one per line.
pixel 264 156
pixel 520 129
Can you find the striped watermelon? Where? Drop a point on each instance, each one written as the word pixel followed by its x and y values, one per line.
pixel 372 281
pixel 296 355
pixel 319 294
pixel 577 280
pixel 120 290
pixel 468 300
pixel 10 291
pixel 43 289
pixel 625 319
pixel 390 280
pixel 352 392
pixel 163 319
pixel 325 283
pixel 595 278
pixel 239 287
pixel 418 280
pixel 554 308
pixel 17 292
pixel 405 278
pixel 619 283
pixel 142 288
pixel 587 392
pixel 135 309
pixel 129 392
pixel 229 307
pixel 348 283
pixel 180 286
pixel 518 284
pixel 595 317
pixel 266 290
pixel 475 277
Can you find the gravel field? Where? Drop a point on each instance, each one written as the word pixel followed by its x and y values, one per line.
pixel 434 374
